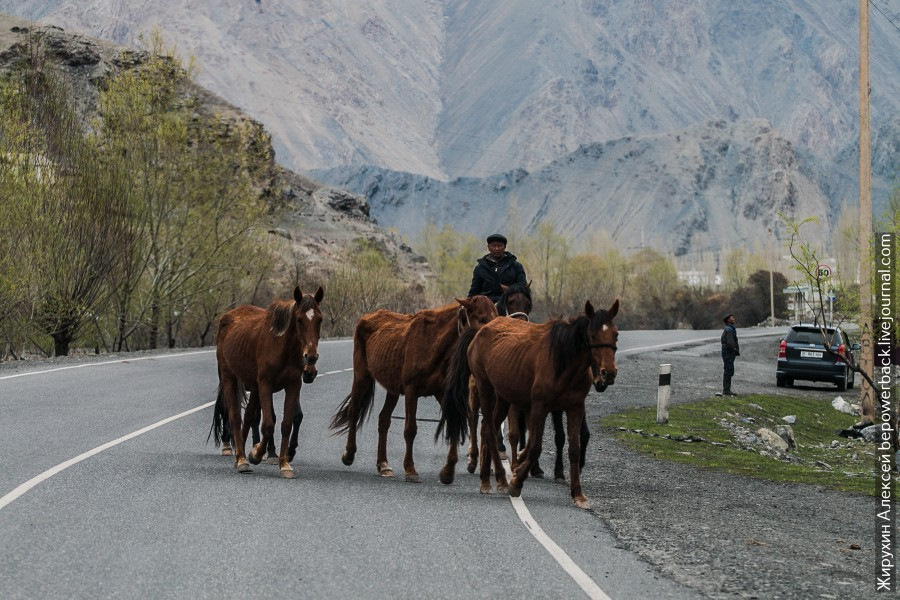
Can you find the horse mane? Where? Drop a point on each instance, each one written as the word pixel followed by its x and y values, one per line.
pixel 516 288
pixel 568 338
pixel 280 313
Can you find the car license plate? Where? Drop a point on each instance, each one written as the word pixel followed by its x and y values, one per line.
pixel 808 354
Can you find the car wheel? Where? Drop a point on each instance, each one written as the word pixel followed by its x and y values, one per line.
pixel 852 380
pixel 779 381
pixel 789 381
pixel 842 384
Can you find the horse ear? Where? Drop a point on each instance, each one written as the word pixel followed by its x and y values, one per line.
pixel 465 302
pixel 589 309
pixel 320 293
pixel 298 295
pixel 614 309
pixel 528 284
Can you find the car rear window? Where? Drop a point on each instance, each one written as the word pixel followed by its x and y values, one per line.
pixel 810 336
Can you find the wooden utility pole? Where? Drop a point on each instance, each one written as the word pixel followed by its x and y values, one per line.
pixel 866 355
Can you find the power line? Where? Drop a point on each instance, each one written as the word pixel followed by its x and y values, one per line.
pixel 881 12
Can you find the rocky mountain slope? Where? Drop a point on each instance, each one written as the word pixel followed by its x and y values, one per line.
pixel 320 222
pixel 450 88
pixel 465 93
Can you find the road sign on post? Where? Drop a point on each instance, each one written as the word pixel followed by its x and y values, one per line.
pixel 824 270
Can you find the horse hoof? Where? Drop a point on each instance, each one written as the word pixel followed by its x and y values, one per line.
pixel 412 478
pixel 347 458
pixel 537 472
pixel 486 489
pixel 515 490
pixel 470 467
pixel 254 457
pixel 582 503
pixel 243 467
pixel 272 460
pixel 447 476
pixel 502 455
pixel 227 451
pixel 288 473
pixel 502 489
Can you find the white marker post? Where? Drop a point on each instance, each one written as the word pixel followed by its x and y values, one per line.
pixel 663 393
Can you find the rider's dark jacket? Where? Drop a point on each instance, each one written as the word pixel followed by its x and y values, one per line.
pixel 488 275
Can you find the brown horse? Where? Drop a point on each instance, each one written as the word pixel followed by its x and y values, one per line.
pixel 265 351
pixel 515 302
pixel 539 368
pixel 408 355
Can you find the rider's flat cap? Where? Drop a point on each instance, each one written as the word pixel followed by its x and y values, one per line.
pixel 496 237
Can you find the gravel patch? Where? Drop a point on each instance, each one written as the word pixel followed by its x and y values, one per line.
pixel 725 536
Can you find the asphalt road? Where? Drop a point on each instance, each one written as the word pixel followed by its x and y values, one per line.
pixel 162 515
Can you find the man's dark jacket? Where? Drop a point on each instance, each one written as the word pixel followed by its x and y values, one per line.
pixel 730 342
pixel 488 275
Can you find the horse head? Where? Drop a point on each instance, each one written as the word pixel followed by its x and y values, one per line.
pixel 475 312
pixel 603 335
pixel 515 301
pixel 301 320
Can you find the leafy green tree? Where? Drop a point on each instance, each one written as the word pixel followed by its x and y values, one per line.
pixel 452 256
pixel 70 199
pixel 199 218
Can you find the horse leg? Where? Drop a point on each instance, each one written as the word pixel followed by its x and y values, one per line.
pixel 267 428
pixel 574 419
pixel 536 422
pixel 271 454
pixel 409 434
pixel 559 437
pixel 291 403
pixel 448 471
pixel 227 447
pixel 536 470
pixel 584 437
pixel 295 431
pixel 515 436
pixel 492 448
pixel 474 409
pixel 230 388
pixel 384 424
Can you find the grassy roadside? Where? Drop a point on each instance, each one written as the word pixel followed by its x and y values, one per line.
pixel 719 433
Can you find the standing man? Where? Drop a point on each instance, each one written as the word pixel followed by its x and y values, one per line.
pixel 730 350
pixel 494 268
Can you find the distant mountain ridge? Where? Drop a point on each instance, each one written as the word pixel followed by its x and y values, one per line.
pixel 716 186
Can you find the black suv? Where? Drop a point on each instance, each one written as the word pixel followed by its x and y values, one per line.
pixel 802 355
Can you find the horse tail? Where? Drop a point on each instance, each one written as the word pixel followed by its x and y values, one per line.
pixel 363 389
pixel 341 420
pixel 454 422
pixel 219 429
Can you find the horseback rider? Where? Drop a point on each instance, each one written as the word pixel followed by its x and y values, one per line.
pixel 495 268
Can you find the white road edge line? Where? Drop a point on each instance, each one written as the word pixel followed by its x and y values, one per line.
pixel 583 580
pixel 31 483
pixel 22 489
